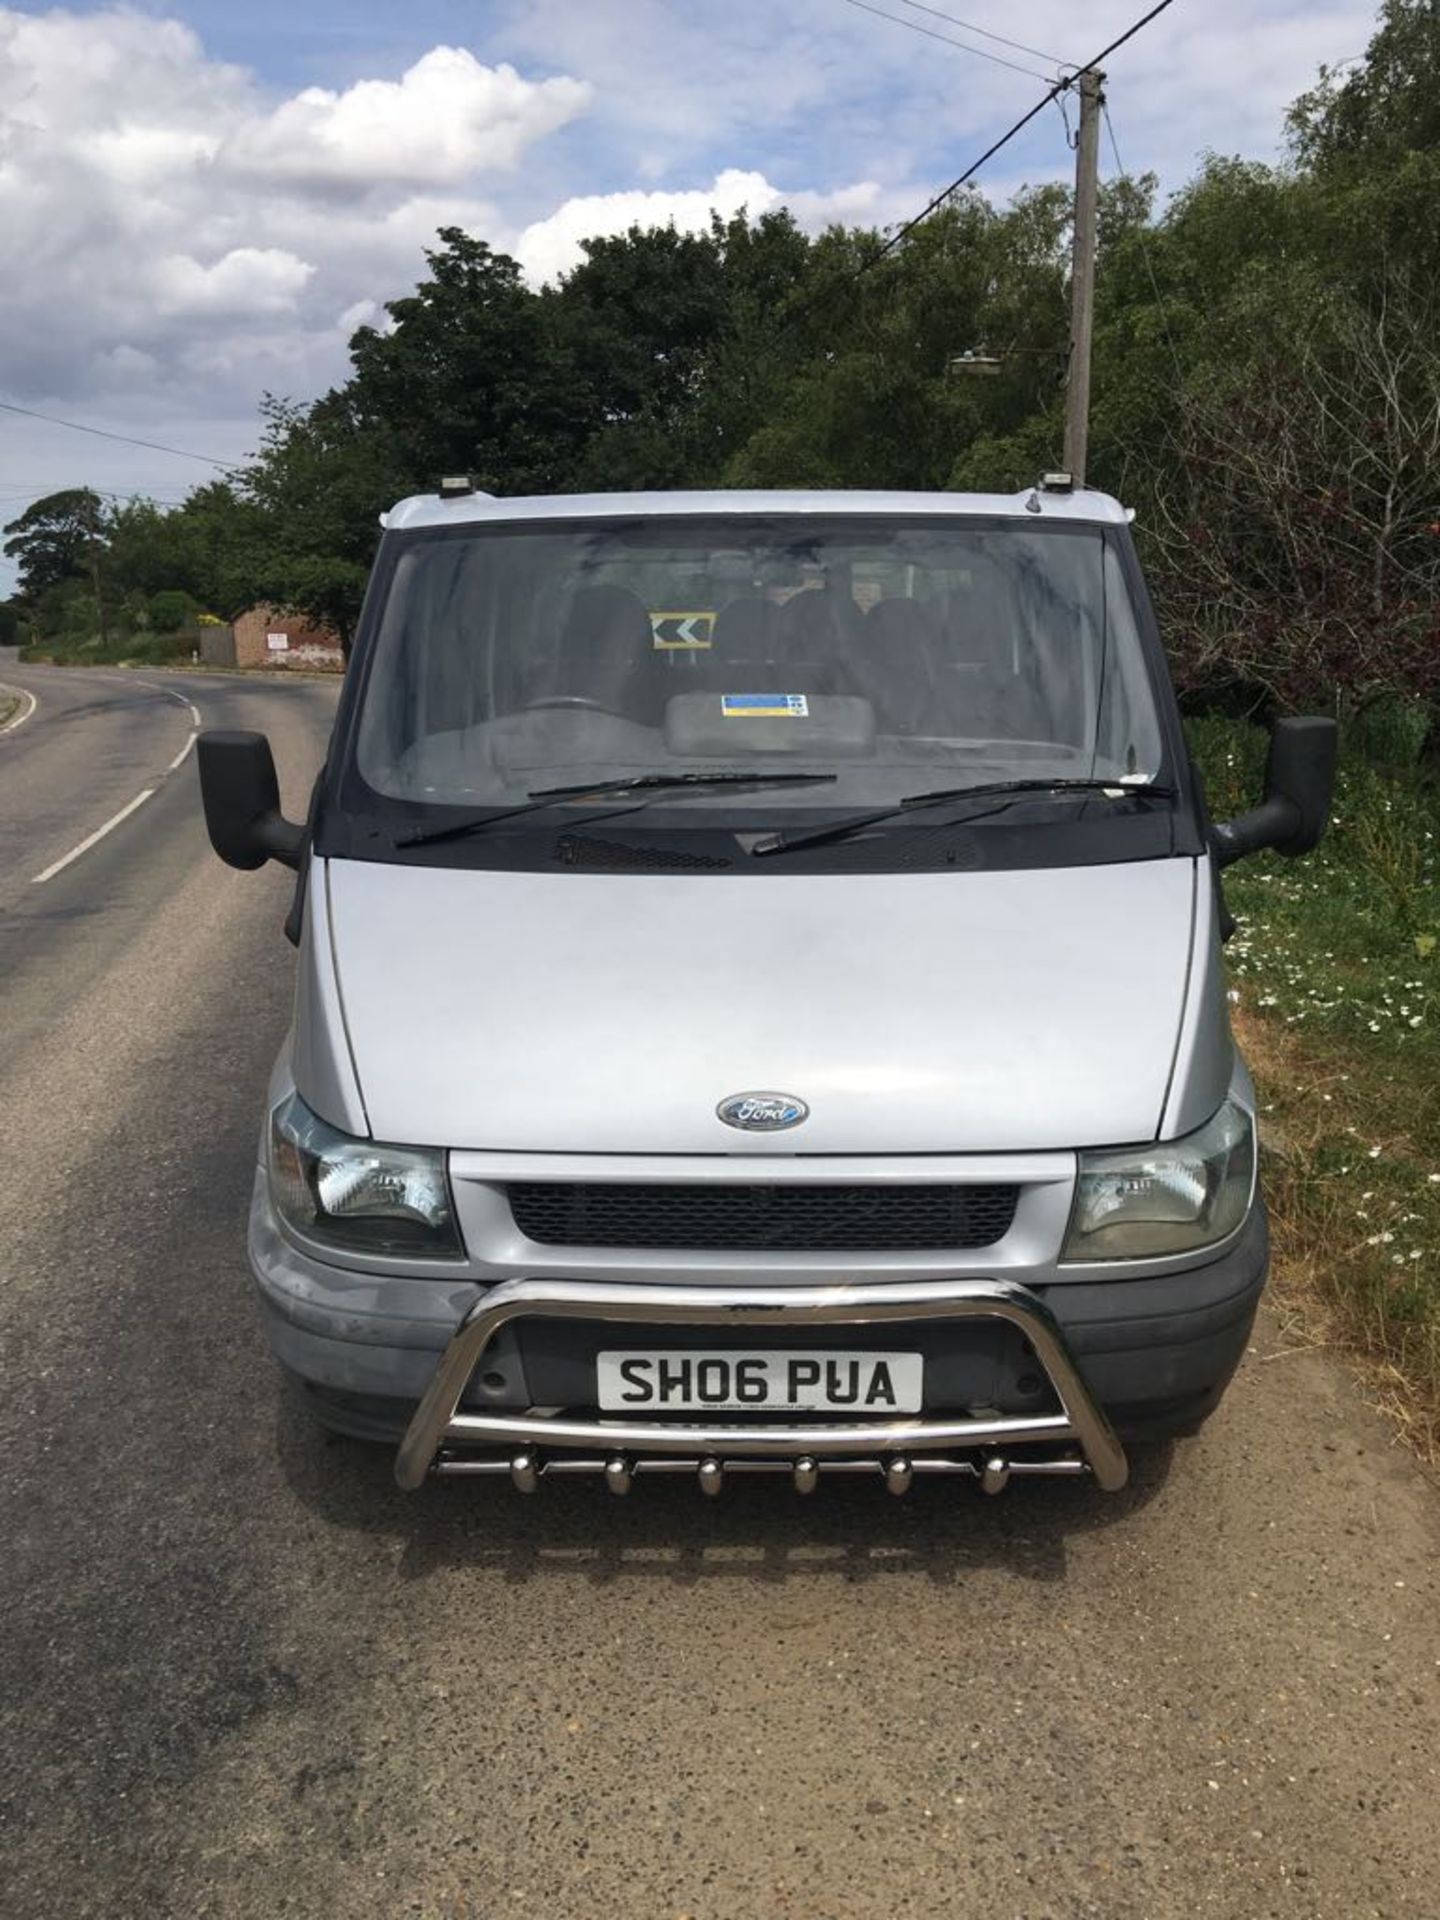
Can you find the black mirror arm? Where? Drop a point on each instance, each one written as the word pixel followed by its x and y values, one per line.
pixel 1273 823
pixel 282 839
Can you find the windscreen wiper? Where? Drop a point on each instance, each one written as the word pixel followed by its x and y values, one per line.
pixel 914 802
pixel 542 797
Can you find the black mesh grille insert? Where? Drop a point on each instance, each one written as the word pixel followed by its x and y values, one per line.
pixel 828 1219
pixel 583 850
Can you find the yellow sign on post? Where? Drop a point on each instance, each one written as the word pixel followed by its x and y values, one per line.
pixel 682 632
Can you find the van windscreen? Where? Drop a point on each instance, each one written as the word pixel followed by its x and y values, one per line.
pixel 891 652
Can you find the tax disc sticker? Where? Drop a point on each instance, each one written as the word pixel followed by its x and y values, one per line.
pixel 764 706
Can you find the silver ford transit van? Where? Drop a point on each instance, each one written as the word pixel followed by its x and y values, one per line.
pixel 759 1002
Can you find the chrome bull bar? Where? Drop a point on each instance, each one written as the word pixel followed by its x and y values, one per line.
pixel 710 1449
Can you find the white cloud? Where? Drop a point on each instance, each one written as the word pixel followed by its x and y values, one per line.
pixel 245 281
pixel 855 96
pixel 865 203
pixel 179 240
pixel 168 226
pixel 143 157
pixel 360 313
pixel 550 247
pixel 445 118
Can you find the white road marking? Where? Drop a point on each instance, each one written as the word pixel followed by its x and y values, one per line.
pixel 19 719
pixel 58 866
pixel 85 845
pixel 171 693
pixel 190 708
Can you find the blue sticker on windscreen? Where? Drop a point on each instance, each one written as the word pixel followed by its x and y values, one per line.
pixel 764 706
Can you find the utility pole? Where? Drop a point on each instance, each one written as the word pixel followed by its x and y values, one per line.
pixel 1082 276
pixel 93 542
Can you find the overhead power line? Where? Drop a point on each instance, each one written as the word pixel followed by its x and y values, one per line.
pixel 960 180
pixel 163 497
pixel 1129 33
pixel 1160 305
pixel 32 487
pixel 127 439
pixel 985 33
pixel 17 499
pixel 1060 86
pixel 981 53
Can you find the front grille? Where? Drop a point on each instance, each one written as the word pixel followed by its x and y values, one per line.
pixel 793 1219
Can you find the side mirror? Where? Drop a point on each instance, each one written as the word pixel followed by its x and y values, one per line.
pixel 241 797
pixel 1299 782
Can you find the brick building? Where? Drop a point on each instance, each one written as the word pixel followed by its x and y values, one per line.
pixel 264 637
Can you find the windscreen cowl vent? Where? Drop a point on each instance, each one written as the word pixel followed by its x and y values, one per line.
pixel 613 856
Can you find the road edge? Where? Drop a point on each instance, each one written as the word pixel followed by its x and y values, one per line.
pixel 17 719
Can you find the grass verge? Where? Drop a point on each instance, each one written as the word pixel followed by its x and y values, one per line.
pixel 1333 982
pixel 132 650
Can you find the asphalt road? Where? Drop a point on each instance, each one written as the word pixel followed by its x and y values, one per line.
pixel 241 1674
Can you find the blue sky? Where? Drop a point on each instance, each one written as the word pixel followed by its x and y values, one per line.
pixel 201 201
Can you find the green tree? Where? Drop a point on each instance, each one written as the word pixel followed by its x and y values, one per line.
pixel 305 525
pixel 220 537
pixel 210 549
pixel 1380 107
pixel 468 378
pixel 633 325
pixel 761 346
pixel 886 397
pixel 668 342
pixel 169 610
pixel 57 539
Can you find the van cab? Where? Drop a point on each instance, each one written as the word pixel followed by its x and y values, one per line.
pixel 759 999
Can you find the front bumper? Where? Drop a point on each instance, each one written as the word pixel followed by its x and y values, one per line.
pixel 439 1428
pixel 1142 1356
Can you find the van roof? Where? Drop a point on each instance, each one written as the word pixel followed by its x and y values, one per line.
pixel 430 510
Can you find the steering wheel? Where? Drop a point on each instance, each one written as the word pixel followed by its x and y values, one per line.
pixel 578 700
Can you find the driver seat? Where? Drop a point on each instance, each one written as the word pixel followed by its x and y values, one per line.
pixel 606 654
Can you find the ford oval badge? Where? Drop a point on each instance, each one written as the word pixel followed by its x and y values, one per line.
pixel 763 1112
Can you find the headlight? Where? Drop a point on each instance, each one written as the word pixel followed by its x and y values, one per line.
pixel 355 1194
pixel 1140 1202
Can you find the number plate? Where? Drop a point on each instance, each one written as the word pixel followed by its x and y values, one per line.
pixel 868 1384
